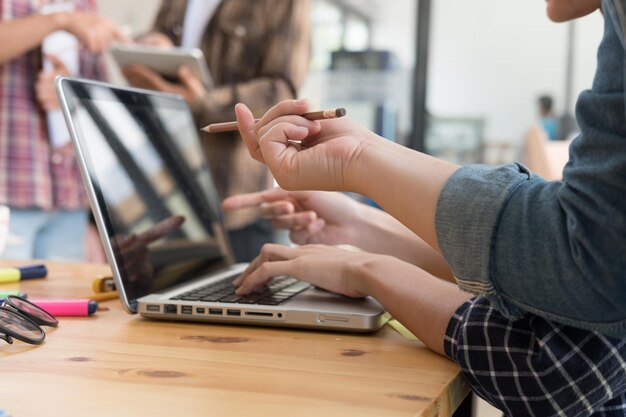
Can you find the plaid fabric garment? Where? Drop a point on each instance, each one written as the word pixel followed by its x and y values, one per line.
pixel 534 367
pixel 32 174
pixel 258 53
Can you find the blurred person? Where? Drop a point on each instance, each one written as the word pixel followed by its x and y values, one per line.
pixel 547 119
pixel 39 176
pixel 257 53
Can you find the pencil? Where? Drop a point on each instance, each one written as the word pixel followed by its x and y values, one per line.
pixel 314 115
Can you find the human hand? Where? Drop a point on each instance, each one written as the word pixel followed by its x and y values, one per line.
pixel 134 248
pixel 190 87
pixel 310 216
pixel 45 91
pixel 326 267
pixel 95 32
pixel 304 154
pixel 155 39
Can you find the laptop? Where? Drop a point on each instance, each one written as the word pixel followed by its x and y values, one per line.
pixel 160 221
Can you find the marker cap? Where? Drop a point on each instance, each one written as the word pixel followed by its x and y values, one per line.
pixel 33 271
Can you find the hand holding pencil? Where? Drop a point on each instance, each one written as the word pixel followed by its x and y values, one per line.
pixel 302 153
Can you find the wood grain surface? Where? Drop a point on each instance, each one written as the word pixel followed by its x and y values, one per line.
pixel 117 364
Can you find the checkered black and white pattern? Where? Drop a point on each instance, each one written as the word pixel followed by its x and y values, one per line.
pixel 534 367
pixel 32 173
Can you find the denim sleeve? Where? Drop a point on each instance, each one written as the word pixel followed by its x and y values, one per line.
pixel 535 246
pixel 556 249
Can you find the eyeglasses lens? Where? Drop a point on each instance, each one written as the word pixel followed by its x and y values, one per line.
pixel 18 324
pixel 39 315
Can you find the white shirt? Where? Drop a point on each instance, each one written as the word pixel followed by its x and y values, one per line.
pixel 64 46
pixel 197 16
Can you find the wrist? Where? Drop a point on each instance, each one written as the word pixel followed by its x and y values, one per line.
pixel 61 20
pixel 359 170
pixel 365 271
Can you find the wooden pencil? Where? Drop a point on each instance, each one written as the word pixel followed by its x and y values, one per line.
pixel 315 115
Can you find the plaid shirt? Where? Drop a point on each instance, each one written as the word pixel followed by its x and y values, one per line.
pixel 258 54
pixel 534 367
pixel 32 174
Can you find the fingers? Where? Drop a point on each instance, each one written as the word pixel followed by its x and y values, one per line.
pixel 313 127
pixel 262 275
pixel 120 35
pixel 155 39
pixel 270 263
pixel 59 66
pixel 162 228
pixel 246 125
pixel 298 220
pixel 279 154
pixel 285 108
pixel 45 92
pixel 254 199
pixel 144 77
pixel 285 115
pixel 307 234
pixel 193 84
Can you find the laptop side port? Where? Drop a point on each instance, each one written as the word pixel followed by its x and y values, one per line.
pixel 258 313
pixel 186 309
pixel 233 312
pixel 216 311
pixel 170 308
pixel 153 307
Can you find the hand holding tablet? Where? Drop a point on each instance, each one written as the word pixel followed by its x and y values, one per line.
pixel 164 61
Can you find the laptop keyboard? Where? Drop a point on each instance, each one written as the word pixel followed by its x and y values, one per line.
pixel 278 291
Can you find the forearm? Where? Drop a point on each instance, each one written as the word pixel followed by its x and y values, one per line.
pixel 379 232
pixel 408 190
pixel 421 302
pixel 21 35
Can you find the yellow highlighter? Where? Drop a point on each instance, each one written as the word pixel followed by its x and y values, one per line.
pixel 8 275
pixel 103 288
pixel 104 283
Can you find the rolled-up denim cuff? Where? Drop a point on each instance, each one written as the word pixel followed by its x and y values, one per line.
pixel 468 213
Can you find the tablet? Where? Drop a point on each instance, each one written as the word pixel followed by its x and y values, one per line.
pixel 165 61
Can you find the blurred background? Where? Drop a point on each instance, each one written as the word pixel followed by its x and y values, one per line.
pixel 473 93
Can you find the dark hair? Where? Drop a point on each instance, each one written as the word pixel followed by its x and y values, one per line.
pixel 545 103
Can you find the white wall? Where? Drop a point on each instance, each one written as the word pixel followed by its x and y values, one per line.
pixel 492 58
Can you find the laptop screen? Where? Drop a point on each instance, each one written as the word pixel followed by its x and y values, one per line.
pixel 152 193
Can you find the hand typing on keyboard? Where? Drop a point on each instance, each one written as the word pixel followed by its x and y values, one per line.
pixel 326 267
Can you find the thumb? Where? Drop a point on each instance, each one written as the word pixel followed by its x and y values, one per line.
pixel 122 35
pixel 57 64
pixel 190 81
pixel 246 125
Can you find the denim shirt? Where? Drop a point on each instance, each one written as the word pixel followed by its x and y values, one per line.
pixel 556 249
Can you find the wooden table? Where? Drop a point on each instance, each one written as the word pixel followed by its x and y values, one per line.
pixel 117 364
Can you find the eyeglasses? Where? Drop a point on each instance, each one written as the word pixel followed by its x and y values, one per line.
pixel 22 320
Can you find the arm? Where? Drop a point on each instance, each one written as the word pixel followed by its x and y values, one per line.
pixel 423 303
pixel 334 218
pixel 21 35
pixel 504 232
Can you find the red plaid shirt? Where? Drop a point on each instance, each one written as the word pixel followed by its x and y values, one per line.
pixel 32 173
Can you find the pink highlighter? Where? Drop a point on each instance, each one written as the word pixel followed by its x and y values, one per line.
pixel 67 307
